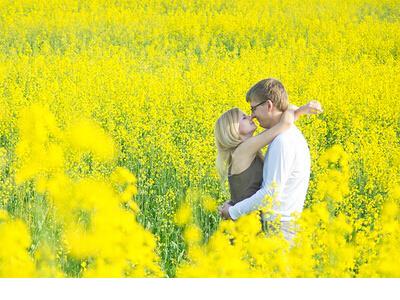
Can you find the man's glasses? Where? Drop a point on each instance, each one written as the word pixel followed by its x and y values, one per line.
pixel 253 109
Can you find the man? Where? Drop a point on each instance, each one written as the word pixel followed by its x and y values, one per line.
pixel 286 170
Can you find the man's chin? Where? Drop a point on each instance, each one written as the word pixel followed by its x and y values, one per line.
pixel 262 124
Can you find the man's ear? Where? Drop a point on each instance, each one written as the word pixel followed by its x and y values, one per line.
pixel 270 106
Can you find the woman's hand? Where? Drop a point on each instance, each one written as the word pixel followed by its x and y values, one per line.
pixel 311 108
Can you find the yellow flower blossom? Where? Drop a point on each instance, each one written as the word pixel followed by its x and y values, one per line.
pixel 96 123
pixel 209 204
pixel 183 215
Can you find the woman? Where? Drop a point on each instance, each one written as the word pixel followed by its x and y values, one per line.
pixel 239 157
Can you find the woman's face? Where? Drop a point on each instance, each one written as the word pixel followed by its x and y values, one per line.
pixel 246 126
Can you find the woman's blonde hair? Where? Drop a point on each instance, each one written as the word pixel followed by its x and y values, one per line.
pixel 227 139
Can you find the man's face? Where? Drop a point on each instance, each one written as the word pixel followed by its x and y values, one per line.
pixel 261 111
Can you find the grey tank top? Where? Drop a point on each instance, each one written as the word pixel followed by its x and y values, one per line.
pixel 246 183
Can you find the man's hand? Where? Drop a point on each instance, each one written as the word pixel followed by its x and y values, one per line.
pixel 224 211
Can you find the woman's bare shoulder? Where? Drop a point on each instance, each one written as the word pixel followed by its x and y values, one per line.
pixel 241 161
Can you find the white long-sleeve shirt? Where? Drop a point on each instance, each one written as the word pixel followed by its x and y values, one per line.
pixel 287 163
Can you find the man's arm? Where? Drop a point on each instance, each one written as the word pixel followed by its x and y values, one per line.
pixel 276 170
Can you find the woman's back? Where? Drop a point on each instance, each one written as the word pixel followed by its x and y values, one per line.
pixel 246 183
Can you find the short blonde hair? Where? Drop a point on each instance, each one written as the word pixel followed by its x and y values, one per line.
pixel 269 89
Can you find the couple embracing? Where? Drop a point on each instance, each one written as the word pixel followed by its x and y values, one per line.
pixel 282 175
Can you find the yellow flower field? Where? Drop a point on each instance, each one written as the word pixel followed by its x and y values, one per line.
pixel 107 155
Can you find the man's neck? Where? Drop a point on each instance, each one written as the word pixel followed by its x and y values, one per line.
pixel 276 118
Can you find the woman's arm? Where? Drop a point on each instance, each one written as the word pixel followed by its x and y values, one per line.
pixel 312 107
pixel 253 144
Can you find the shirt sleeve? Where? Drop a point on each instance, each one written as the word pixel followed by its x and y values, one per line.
pixel 276 169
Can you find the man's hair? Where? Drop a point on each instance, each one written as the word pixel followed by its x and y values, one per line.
pixel 269 89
